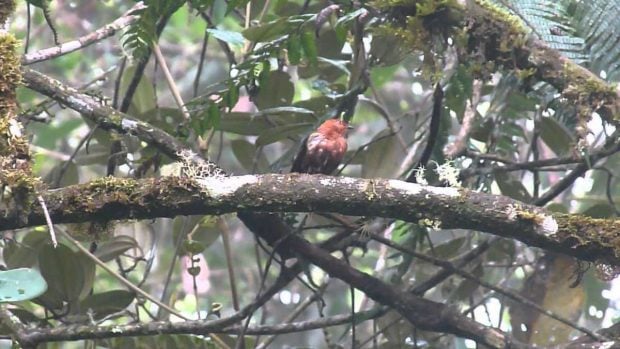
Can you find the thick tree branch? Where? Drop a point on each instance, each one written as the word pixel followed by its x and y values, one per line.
pixel 500 37
pixel 110 199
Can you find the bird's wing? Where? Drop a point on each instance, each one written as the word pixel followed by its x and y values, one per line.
pixel 298 162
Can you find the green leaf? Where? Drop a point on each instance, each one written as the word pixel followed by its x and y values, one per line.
pixel 88 269
pixel 59 266
pixel 386 50
pixel 382 75
pixel 144 98
pixel 502 251
pixel 557 207
pixel 600 210
pixel 69 175
pixel 232 4
pixel 512 187
pixel 193 247
pixel 381 158
pixel 204 232
pixel 555 135
pixel 115 247
pixel 308 43
pixel 230 37
pixel 294 49
pixel 283 110
pixel 330 46
pixel 49 135
pixel 245 152
pixel 351 16
pixel 274 29
pixel 254 124
pixel 25 253
pixel 106 303
pixel 450 248
pixel 21 284
pixel 319 105
pixel 278 90
pixel 281 132
pixel 232 96
pixel 267 31
pixel 242 124
pixel 213 117
pixel 206 120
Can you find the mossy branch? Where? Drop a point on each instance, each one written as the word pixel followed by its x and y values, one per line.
pixel 448 208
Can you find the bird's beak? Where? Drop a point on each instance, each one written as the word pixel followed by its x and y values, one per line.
pixel 349 127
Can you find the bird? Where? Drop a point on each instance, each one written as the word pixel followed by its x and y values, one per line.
pixel 322 151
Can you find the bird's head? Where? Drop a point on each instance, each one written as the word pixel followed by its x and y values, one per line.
pixel 333 128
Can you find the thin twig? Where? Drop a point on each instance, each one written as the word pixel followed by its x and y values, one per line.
pixel 170 80
pixel 48 219
pixel 225 232
pixel 201 60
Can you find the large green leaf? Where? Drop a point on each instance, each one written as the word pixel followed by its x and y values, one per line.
pixel 61 269
pixel 144 98
pixel 276 92
pixel 254 124
pixel 382 157
pixel 88 268
pixel 282 132
pixel 274 29
pixel 230 37
pixel 106 303
pixel 25 253
pixel 512 187
pixel 21 284
pixel 204 232
pixel 116 246
pixel 555 135
pixel 68 171
pixel 245 152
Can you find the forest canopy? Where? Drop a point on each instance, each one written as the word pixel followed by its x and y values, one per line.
pixel 364 174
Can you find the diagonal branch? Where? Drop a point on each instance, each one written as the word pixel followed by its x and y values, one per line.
pixel 86 40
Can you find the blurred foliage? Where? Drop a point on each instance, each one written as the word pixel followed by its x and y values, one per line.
pixel 257 77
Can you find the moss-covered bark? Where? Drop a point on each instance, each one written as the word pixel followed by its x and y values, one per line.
pixel 449 208
pixel 16 181
pixel 489 38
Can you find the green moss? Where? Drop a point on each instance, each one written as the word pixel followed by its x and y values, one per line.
pixel 116 118
pixel 15 162
pixel 10 75
pixel 422 25
pixel 585 231
pixel 498 14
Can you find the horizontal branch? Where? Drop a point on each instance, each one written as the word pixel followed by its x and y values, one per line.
pixel 447 208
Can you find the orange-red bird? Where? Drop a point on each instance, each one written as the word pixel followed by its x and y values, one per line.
pixel 323 150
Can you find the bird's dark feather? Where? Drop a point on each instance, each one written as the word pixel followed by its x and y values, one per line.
pixel 299 158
